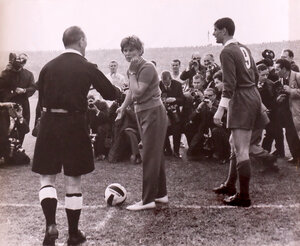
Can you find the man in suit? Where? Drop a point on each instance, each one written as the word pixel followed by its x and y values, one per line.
pixel 63 139
pixel 289 103
pixel 173 98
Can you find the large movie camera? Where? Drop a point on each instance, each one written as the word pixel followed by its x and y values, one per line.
pixel 172 109
pixel 197 96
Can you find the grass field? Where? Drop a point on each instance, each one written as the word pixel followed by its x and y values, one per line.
pixel 194 216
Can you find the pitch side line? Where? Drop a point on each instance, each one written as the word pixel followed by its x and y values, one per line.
pixel 60 206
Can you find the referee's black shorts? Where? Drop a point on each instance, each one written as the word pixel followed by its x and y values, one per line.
pixel 245 110
pixel 63 141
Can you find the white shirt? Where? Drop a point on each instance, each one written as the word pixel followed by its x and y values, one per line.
pixel 117 80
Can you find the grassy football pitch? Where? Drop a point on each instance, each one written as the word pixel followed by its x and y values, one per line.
pixel 194 216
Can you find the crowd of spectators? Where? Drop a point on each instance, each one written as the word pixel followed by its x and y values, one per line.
pixel 191 98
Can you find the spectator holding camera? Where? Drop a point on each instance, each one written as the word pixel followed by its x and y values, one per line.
pixel 173 98
pixel 289 55
pixel 288 98
pixel 273 128
pixel 17 85
pixel 201 122
pixel 194 68
pixel 12 126
pixel 99 123
pixel 211 69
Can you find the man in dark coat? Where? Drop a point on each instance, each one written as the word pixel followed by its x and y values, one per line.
pixel 173 98
pixel 17 84
pixel 63 139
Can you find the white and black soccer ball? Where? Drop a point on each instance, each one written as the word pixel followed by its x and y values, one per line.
pixel 115 194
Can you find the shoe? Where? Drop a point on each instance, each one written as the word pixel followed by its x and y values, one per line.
pixel 292 160
pixel 51 235
pixel 177 155
pixel 76 239
pixel 140 206
pixel 163 199
pixel 225 190
pixel 237 200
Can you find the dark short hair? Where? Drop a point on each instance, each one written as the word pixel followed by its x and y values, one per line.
pixel 226 23
pixel 72 35
pixel 290 52
pixel 177 60
pixel 283 63
pixel 134 42
pixel 165 74
pixel 262 67
pixel 218 75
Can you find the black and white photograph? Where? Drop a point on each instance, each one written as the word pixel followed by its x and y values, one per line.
pixel 149 123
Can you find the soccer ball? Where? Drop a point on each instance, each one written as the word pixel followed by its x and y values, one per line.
pixel 115 194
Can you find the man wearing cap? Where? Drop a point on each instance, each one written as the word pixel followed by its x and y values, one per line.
pixel 63 138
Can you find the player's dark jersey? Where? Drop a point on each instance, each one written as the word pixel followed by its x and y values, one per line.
pixel 239 70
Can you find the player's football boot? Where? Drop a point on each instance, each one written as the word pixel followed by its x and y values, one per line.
pixel 225 190
pixel 237 200
pixel 51 235
pixel 76 239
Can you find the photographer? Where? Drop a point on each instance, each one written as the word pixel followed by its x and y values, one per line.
pixel 201 122
pixel 194 68
pixel 12 126
pixel 211 69
pixel 100 126
pixel 17 84
pixel 173 98
pixel 273 128
pixel 288 98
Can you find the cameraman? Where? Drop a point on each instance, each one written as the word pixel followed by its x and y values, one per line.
pixel 288 98
pixel 211 69
pixel 173 98
pixel 194 68
pixel 17 84
pixel 273 128
pixel 98 118
pixel 201 121
pixel 12 126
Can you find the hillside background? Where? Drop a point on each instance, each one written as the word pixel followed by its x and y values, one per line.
pixel 162 56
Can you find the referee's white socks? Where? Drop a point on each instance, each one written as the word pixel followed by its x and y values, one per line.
pixel 48 200
pixel 73 206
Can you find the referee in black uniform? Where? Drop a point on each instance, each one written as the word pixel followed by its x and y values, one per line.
pixel 63 140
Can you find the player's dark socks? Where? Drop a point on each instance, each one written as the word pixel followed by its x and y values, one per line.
pixel 48 199
pixel 244 172
pixel 73 205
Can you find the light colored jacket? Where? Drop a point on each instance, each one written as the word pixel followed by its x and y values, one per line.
pixel 294 99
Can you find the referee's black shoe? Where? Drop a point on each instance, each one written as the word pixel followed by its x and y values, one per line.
pixel 51 235
pixel 76 239
pixel 237 200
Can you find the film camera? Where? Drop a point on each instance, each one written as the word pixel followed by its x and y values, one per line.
pixel 171 109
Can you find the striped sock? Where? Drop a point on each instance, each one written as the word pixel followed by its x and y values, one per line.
pixel 73 206
pixel 48 200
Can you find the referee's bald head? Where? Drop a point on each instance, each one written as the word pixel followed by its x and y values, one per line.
pixel 72 35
